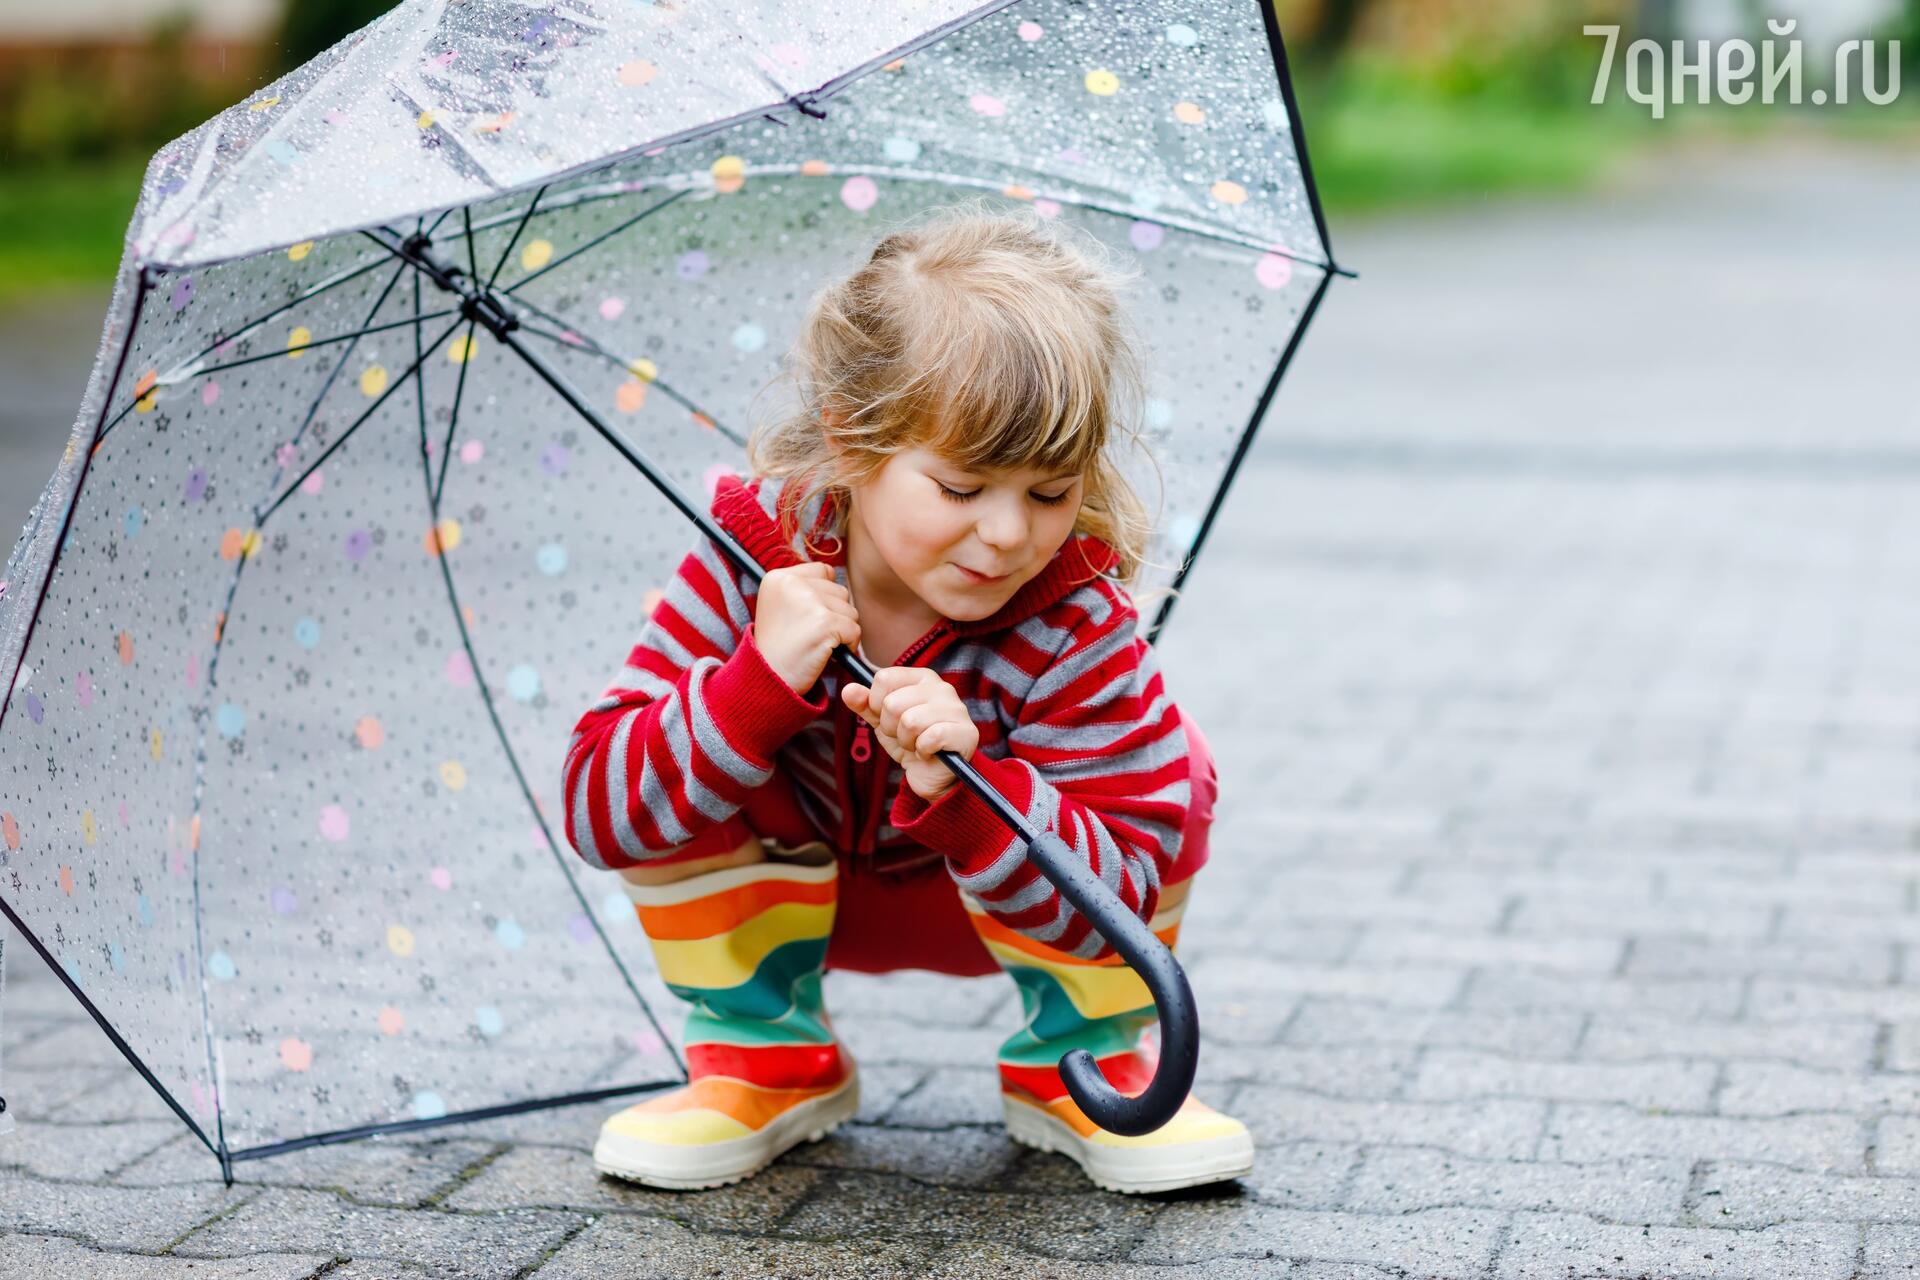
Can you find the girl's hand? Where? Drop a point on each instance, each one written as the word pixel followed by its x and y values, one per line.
pixel 798 616
pixel 916 714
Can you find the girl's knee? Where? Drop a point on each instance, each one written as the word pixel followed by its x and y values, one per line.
pixel 746 853
pixel 749 851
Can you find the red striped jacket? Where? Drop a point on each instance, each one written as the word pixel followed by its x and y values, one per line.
pixel 1075 729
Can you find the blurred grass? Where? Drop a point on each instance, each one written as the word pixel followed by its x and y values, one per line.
pixel 61 225
pixel 1390 151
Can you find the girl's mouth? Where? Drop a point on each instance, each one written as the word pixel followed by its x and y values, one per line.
pixel 981 579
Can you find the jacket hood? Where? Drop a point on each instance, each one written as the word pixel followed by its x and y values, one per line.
pixel 752 510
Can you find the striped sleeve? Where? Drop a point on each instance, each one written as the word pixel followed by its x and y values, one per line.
pixel 685 731
pixel 1099 758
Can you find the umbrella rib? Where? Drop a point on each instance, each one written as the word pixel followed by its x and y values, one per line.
pixel 1191 226
pixel 473 261
pixel 333 374
pixel 589 344
pixel 353 335
pixel 1239 454
pixel 460 388
pixel 260 518
pixel 514 239
pixel 119 1041
pixel 486 696
pixel 333 283
pixel 575 252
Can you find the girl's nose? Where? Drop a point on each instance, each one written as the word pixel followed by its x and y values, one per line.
pixel 1003 526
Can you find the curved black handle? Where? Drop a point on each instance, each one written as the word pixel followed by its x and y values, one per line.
pixel 1105 1105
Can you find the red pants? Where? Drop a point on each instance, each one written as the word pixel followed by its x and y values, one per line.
pixel 914 919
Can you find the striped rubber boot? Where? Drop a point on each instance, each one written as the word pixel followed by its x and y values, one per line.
pixel 1103 1007
pixel 745 946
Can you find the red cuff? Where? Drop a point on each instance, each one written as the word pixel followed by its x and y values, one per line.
pixel 959 824
pixel 757 710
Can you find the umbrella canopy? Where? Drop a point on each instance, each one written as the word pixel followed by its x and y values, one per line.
pixel 297 634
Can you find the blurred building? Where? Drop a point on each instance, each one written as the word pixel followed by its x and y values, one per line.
pixel 82 78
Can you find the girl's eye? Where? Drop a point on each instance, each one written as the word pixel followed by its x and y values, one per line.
pixel 956 494
pixel 1053 501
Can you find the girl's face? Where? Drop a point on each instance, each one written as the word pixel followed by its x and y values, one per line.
pixel 961 541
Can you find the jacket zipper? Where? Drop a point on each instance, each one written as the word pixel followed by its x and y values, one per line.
pixel 875 763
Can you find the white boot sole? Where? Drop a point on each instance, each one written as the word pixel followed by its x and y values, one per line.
pixel 1132 1170
pixel 683 1167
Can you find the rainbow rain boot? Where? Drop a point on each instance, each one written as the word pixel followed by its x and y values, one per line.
pixel 1101 1006
pixel 745 946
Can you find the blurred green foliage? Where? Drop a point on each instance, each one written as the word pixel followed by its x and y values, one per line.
pixel 67 105
pixel 308 29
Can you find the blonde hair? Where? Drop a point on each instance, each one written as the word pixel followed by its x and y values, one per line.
pixel 993 338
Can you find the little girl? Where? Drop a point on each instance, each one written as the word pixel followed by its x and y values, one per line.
pixel 947 500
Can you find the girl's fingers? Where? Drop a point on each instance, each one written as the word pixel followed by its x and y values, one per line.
pixel 901 702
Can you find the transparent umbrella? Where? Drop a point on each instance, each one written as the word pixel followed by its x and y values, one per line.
pixel 417 365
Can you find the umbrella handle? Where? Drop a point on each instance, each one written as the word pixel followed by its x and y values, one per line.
pixel 1128 934
pixel 1106 1106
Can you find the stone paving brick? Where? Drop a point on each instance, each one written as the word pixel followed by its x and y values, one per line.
pixel 1495 1128
pixel 1251 978
pixel 1847 1045
pixel 1302 1175
pixel 111 1217
pixel 973 1259
pixel 1238 1019
pixel 400 1171
pixel 1897 1146
pixel 74 1042
pixel 1359 1071
pixel 1456 1074
pixel 1903 1047
pixel 1838 960
pixel 1585 913
pixel 1539 875
pixel 74 1096
pixel 1281 913
pixel 88 1153
pixel 1316 942
pixel 1890 1252
pixel 1778 999
pixel 465 1244
pixel 1585 1133
pixel 1503 991
pixel 1093 1225
pixel 888 1042
pixel 1435 1243
pixel 1335 1022
pixel 950 1096
pixel 1555 1246
pixel 943 1157
pixel 1890 925
pixel 1407 1179
pixel 563 1180
pixel 656 1249
pixel 1399 946
pixel 1733 1194
pixel 1773 1089
pixel 56 1258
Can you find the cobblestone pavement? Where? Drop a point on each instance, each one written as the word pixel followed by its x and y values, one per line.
pixel 1559 651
